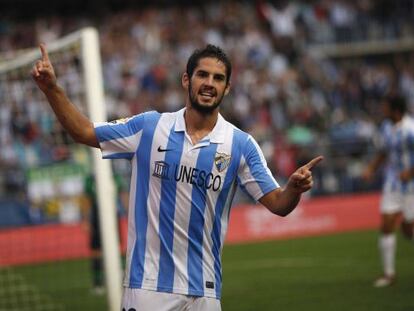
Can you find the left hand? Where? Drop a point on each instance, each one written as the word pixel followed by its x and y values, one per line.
pixel 301 180
pixel 43 72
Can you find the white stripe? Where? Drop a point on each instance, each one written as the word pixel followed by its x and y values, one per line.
pixel 208 257
pixel 181 224
pixel 225 215
pixel 121 145
pixel 209 216
pixel 252 187
pixel 263 159
pixel 152 252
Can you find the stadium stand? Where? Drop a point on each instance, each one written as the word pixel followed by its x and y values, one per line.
pixel 296 104
pixel 307 79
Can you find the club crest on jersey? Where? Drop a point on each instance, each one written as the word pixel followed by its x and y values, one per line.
pixel 222 161
pixel 120 121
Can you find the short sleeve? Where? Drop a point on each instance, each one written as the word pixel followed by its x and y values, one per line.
pixel 119 139
pixel 254 177
pixel 380 140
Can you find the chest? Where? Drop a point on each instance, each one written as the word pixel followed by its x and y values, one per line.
pixel 399 141
pixel 206 165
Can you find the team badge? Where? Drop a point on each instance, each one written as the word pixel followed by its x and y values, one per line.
pixel 120 121
pixel 222 161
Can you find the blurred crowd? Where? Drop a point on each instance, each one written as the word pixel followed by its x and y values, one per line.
pixel 297 105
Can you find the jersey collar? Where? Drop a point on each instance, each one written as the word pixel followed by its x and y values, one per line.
pixel 216 136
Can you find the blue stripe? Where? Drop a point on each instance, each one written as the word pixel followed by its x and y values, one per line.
pixel 257 169
pixel 195 231
pixel 167 210
pixel 410 147
pixel 142 189
pixel 120 155
pixel 220 204
pixel 115 131
pixel 399 148
pixel 404 145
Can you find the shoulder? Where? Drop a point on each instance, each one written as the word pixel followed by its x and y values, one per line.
pixel 409 122
pixel 134 118
pixel 243 140
pixel 152 114
pixel 238 134
pixel 385 126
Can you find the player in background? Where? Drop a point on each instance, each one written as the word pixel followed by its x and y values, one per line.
pixel 185 169
pixel 396 151
pixel 91 221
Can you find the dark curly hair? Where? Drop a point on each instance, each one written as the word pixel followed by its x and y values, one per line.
pixel 396 103
pixel 209 51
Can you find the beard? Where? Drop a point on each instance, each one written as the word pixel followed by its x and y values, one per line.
pixel 205 109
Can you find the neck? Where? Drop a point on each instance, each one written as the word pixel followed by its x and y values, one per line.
pixel 199 125
pixel 197 121
pixel 397 118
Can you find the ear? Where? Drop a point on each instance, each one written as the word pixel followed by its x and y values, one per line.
pixel 185 80
pixel 227 89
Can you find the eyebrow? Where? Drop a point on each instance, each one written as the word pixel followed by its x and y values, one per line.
pixel 216 75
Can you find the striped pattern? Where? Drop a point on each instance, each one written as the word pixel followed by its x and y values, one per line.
pixel 397 141
pixel 181 197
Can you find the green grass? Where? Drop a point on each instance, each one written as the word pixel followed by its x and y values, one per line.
pixel 324 273
pixel 54 286
pixel 321 273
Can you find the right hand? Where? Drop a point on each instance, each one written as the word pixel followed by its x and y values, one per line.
pixel 43 72
pixel 301 180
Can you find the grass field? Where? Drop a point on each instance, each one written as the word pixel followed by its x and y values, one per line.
pixel 324 273
pixel 321 273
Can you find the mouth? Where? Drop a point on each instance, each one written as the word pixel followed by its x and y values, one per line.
pixel 207 95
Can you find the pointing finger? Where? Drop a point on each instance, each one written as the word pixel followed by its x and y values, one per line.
pixel 313 162
pixel 39 65
pixel 43 50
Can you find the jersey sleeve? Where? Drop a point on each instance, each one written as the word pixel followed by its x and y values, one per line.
pixel 380 139
pixel 410 144
pixel 254 177
pixel 119 139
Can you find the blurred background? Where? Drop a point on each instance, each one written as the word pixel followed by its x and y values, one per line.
pixel 308 78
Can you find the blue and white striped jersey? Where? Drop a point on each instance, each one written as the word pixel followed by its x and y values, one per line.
pixel 180 197
pixel 397 141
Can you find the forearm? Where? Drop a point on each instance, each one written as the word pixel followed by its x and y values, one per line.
pixel 281 201
pixel 377 162
pixel 73 121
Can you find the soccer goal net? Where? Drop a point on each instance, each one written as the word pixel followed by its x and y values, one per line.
pixel 47 251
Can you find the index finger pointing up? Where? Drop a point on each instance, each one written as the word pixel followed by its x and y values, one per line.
pixel 43 50
pixel 313 162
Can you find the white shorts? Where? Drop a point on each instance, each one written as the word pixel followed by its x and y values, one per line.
pixel 136 299
pixel 395 202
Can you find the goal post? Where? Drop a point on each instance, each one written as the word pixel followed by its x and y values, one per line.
pixel 87 41
pixel 105 188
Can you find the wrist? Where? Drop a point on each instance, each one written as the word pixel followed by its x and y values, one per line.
pixel 293 190
pixel 52 89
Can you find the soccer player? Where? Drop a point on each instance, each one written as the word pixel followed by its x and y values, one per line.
pixel 396 150
pixel 94 235
pixel 93 227
pixel 185 169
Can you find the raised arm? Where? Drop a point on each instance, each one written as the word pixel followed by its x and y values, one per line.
pixel 284 200
pixel 73 121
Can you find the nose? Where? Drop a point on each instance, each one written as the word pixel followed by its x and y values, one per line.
pixel 210 80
